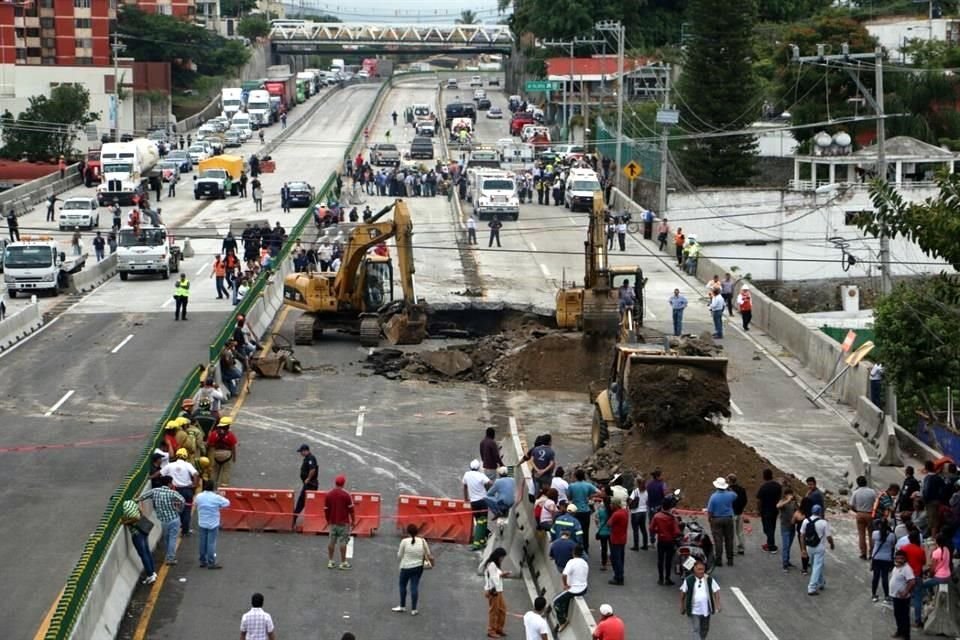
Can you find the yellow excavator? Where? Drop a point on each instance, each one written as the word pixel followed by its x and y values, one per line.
pixel 594 307
pixel 359 297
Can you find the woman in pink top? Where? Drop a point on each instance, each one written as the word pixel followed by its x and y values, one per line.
pixel 940 567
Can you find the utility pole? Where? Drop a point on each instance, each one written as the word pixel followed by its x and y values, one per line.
pixel 664 159
pixel 616 27
pixel 568 104
pixel 116 47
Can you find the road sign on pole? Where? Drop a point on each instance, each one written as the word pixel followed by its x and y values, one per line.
pixel 542 85
pixel 633 170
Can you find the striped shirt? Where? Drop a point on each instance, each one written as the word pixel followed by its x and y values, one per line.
pixel 257 624
pixel 166 502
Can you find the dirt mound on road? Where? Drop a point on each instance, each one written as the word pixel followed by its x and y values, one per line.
pixel 668 397
pixel 558 362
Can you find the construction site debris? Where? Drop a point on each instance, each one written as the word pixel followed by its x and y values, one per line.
pixel 676 397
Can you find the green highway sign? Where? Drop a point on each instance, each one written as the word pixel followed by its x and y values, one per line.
pixel 542 85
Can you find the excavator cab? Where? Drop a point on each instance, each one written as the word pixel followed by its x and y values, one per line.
pixel 377 283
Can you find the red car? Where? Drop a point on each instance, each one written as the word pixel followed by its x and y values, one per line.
pixel 518 122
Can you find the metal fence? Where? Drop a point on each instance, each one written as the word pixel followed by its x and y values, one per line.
pixel 643 153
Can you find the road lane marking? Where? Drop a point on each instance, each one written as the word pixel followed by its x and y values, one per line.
pixel 350 548
pixel 360 420
pixel 202 269
pixel 570 218
pixel 60 402
pixel 167 303
pixel 736 409
pixel 544 269
pixel 533 247
pixel 767 632
pixel 45 625
pixel 122 343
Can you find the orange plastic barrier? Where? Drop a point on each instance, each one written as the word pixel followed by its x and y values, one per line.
pixel 365 505
pixel 268 166
pixel 440 519
pixel 257 510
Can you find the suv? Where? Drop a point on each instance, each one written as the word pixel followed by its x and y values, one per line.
pixel 421 147
pixel 79 212
pixel 212 183
pixel 452 83
pixel 476 81
pixel 384 154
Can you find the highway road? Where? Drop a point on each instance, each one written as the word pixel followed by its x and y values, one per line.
pixel 413 437
pixel 82 395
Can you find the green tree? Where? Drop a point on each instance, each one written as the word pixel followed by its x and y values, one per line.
pixel 237 8
pixel 918 325
pixel 565 19
pixel 49 126
pixel 468 17
pixel 718 91
pixel 253 27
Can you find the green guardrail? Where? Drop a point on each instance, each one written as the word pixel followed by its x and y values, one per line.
pixel 78 584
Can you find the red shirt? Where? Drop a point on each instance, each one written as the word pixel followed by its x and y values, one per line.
pixel 338 506
pixel 228 441
pixel 610 628
pixel 916 558
pixel 665 527
pixel 618 522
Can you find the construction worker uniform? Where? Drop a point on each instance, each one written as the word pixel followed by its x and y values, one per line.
pixel 220 447
pixel 181 293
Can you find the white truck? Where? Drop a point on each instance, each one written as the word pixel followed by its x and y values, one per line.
pixel 147 250
pixel 337 65
pixel 36 265
pixel 258 107
pixel 493 192
pixel 231 101
pixel 310 78
pixel 129 169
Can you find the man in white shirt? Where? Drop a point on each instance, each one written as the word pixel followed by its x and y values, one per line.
pixel 184 477
pixel 534 624
pixel 257 624
pixel 561 486
pixel 699 599
pixel 575 576
pixel 475 485
pixel 471 230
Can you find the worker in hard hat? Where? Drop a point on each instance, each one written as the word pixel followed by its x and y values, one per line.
pixel 204 467
pixel 192 438
pixel 222 451
pixel 170 436
pixel 185 478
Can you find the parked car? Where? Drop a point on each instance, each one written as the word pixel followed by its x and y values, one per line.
pixel 199 152
pixel 495 113
pixel 421 147
pixel 183 158
pixel 494 81
pixel 301 193
pixel 232 138
pixel 426 128
pixel 80 212
pixel 381 153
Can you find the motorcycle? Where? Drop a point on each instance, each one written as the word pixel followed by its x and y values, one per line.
pixel 693 546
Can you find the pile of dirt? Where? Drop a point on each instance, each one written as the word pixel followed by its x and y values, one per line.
pixel 690 462
pixel 528 357
pixel 668 397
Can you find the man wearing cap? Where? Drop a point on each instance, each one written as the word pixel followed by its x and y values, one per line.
pixel 720 514
pixel 308 476
pixel 568 521
pixel 184 477
pixel 341 516
pixel 222 448
pixel 610 626
pixel 501 495
pixel 475 485
pixel 817 552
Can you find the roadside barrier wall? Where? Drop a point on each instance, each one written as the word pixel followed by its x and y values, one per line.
pixel 24 197
pixel 99 587
pixel 94 275
pixel 17 326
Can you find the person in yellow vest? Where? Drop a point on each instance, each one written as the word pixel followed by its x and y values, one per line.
pixel 181 293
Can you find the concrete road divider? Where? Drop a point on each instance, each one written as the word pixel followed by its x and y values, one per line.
pixel 945 613
pixel 888 445
pixel 93 275
pixel 859 466
pixel 869 418
pixel 17 326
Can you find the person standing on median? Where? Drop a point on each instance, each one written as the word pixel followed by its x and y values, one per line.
pixel 167 504
pixel 308 478
pixel 209 504
pixel 699 600
pixel 677 304
pixel 720 514
pixel 139 527
pixel 341 518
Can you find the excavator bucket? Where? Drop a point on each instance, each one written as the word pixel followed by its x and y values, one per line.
pixel 600 314
pixel 408 326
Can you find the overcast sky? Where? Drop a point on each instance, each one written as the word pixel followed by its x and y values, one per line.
pixel 395 11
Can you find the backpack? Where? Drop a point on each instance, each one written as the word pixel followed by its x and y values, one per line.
pixel 537 511
pixel 811 537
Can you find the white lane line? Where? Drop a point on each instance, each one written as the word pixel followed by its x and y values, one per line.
pixel 350 548
pixel 202 269
pixel 770 635
pixel 570 218
pixel 533 247
pixel 736 409
pixel 60 402
pixel 167 303
pixel 543 268
pixel 123 342
pixel 361 416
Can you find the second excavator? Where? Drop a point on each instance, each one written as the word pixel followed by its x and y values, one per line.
pixel 359 297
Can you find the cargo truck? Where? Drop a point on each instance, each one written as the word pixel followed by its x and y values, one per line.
pixel 309 78
pixel 129 170
pixel 36 265
pixel 284 90
pixel 258 107
pixel 231 101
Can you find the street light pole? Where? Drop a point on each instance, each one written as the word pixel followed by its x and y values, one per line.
pixel 616 27
pixel 664 150
pixel 116 47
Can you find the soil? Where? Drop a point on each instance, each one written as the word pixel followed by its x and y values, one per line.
pixel 666 398
pixel 690 462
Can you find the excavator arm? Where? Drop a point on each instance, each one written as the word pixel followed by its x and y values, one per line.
pixel 362 238
pixel 405 323
pixel 404 241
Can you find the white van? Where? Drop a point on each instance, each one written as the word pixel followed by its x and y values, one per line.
pixel 579 189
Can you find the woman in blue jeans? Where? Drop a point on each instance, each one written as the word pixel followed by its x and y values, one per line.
pixel 414 556
pixel 132 518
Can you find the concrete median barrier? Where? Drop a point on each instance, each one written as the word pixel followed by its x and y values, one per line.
pixel 869 418
pixel 859 465
pixel 93 276
pixel 17 326
pixel 888 445
pixel 945 613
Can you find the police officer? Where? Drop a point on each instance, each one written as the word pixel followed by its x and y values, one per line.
pixel 181 293
pixel 308 475
pixel 495 226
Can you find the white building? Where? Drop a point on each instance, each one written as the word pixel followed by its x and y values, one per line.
pixel 22 82
pixel 805 231
pixel 893 33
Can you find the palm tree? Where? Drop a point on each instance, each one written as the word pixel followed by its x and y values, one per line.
pixel 468 17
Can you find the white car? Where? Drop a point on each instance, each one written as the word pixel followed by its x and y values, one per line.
pixel 495 113
pixel 363 73
pixel 476 81
pixel 79 212
pixel 479 94
pixel 243 131
pixel 452 83
pixel 198 152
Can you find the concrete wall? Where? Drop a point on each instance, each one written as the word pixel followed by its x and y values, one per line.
pixel 22 197
pixel 17 326
pixel 29 81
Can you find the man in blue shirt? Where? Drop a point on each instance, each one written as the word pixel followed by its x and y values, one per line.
pixel 561 549
pixel 720 514
pixel 208 504
pixel 677 303
pixel 580 493
pixel 501 495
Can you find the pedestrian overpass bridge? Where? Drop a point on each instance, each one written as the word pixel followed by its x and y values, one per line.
pixel 333 37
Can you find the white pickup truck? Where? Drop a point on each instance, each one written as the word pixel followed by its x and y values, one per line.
pixel 148 250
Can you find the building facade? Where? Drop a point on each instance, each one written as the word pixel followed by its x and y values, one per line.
pixel 178 8
pixel 56 32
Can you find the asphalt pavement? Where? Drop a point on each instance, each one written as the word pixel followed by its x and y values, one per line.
pixel 83 393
